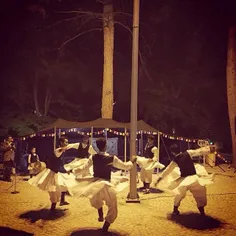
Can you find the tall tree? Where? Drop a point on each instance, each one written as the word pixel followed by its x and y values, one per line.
pixel 231 86
pixel 108 34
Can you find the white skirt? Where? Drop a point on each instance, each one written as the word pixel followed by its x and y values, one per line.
pixel 146 164
pixel 90 186
pixel 50 181
pixel 174 182
pixel 76 163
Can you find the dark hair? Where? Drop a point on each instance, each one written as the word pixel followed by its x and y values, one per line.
pixel 101 143
pixel 174 148
pixel 62 139
pixel 150 136
pixel 85 137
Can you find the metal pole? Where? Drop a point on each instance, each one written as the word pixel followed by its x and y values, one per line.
pixel 125 148
pixel 91 140
pixel 158 146
pixel 133 195
pixel 55 138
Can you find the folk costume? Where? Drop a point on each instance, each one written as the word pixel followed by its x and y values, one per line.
pixel 103 185
pixel 84 151
pixel 52 180
pixel 182 175
pixel 147 164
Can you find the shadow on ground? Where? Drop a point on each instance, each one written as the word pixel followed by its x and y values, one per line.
pixel 94 232
pixel 196 221
pixel 43 214
pixel 10 232
pixel 152 190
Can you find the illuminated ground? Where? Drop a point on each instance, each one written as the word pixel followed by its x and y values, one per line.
pixel 27 212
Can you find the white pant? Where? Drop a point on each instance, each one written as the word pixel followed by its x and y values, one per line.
pixel 55 196
pixel 146 175
pixel 198 192
pixel 107 195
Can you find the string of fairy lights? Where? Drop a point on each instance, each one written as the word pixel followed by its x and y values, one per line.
pixel 115 132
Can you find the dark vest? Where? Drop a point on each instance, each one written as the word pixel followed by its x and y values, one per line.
pixel 102 166
pixel 185 164
pixel 55 163
pixel 148 152
pixel 33 158
pixel 83 152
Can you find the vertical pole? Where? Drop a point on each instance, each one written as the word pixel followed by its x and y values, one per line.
pixel 141 146
pixel 125 148
pixel 133 195
pixel 55 138
pixel 91 141
pixel 158 146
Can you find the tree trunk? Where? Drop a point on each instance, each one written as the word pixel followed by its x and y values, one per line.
pixel 36 104
pixel 108 33
pixel 47 101
pixel 231 87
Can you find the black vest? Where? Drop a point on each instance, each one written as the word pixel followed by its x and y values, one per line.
pixel 148 152
pixel 83 152
pixel 55 163
pixel 33 158
pixel 185 164
pixel 102 166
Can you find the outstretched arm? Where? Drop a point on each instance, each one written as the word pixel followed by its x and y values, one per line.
pixel 155 153
pixel 122 165
pixel 85 166
pixel 199 152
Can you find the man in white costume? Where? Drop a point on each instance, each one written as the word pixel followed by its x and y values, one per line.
pixel 182 175
pixel 101 188
pixel 84 151
pixel 148 163
pixel 51 179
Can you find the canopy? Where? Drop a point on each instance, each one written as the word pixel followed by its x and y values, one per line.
pixel 98 123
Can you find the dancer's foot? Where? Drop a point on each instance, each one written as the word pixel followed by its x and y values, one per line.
pixel 175 211
pixel 146 191
pixel 53 206
pixel 105 226
pixel 100 215
pixel 202 211
pixel 64 203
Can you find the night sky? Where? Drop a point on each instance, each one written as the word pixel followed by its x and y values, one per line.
pixel 183 47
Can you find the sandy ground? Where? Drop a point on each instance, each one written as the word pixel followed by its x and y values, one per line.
pixel 26 212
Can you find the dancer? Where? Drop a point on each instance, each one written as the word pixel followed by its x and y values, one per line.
pixel 101 187
pixel 182 175
pixel 148 163
pixel 51 180
pixel 34 164
pixel 8 148
pixel 84 151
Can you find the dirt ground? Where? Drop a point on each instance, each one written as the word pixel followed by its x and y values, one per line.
pixel 26 212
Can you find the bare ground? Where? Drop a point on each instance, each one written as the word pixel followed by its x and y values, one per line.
pixel 26 212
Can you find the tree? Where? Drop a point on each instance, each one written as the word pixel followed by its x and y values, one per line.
pixel 107 86
pixel 231 86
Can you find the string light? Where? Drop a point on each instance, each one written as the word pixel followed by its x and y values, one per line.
pixel 74 130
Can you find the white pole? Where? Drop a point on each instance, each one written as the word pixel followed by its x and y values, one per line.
pixel 158 155
pixel 55 138
pixel 133 195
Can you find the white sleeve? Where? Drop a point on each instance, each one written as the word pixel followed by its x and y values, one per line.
pixel 155 153
pixel 72 145
pixel 85 166
pixel 91 150
pixel 199 152
pixel 29 158
pixel 122 165
pixel 168 169
pixel 58 152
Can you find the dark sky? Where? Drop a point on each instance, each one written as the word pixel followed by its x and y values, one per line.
pixel 175 35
